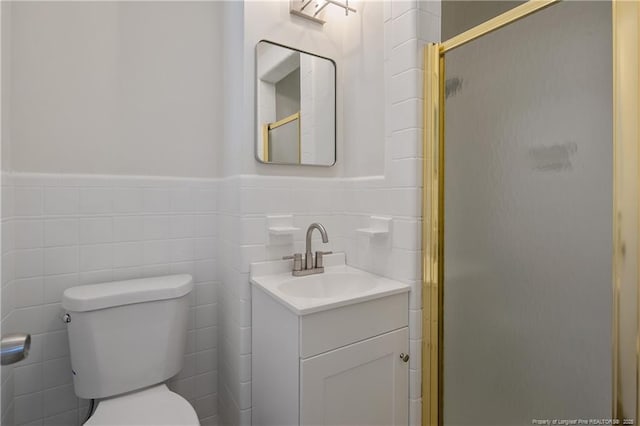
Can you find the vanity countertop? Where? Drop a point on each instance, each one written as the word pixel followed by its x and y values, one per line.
pixel 339 285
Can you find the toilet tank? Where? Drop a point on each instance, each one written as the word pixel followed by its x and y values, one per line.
pixel 126 335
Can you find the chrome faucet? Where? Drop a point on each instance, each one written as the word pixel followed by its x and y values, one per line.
pixel 308 267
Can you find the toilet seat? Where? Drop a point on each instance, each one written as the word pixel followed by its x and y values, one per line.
pixel 153 406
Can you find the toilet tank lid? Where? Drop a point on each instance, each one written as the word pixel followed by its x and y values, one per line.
pixel 116 293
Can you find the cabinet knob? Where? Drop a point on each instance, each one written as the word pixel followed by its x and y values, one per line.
pixel 404 357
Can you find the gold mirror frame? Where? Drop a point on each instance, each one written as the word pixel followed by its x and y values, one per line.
pixel 626 218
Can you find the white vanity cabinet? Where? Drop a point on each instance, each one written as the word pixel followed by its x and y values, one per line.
pixel 333 367
pixel 365 383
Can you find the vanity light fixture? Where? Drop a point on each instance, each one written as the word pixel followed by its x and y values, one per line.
pixel 313 9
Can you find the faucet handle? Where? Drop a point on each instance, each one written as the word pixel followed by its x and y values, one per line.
pixel 297 261
pixel 319 258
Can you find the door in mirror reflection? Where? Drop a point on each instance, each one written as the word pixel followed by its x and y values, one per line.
pixel 295 106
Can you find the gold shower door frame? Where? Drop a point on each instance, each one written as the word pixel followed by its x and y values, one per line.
pixel 626 187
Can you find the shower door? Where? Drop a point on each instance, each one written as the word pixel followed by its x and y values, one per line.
pixel 526 221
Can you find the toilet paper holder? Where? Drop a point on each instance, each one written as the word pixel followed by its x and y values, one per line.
pixel 14 347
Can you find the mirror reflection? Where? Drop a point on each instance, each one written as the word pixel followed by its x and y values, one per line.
pixel 296 106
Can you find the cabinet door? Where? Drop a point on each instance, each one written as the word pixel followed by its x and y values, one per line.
pixel 365 383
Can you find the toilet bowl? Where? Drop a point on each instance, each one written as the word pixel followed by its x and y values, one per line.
pixel 126 339
pixel 155 406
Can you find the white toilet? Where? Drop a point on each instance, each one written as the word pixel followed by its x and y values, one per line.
pixel 126 338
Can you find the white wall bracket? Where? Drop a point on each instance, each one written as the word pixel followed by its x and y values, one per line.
pixel 378 226
pixel 281 225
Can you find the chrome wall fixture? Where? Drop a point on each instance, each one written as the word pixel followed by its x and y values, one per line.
pixel 14 348
pixel 313 9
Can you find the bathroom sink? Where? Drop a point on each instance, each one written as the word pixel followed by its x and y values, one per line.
pixel 338 285
pixel 328 285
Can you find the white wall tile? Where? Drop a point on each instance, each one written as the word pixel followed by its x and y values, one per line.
pixel 27 201
pixel 206 248
pixel 96 257
pixel 59 400
pixel 155 227
pixel 182 200
pixel 127 200
pixel 415 412
pixel 7 197
pixel 205 270
pixel 27 379
pixel 405 172
pixel 206 384
pixel 127 254
pixel 29 407
pixel 60 200
pixel 64 419
pixel 206 316
pixel 405 57
pixel 29 318
pixel 206 293
pixel 406 114
pixel 56 345
pixel 27 234
pixel 96 200
pixel 415 324
pixel 60 232
pixel 406 85
pixel 158 251
pixel 206 338
pixel 182 250
pixel 400 7
pixel 28 292
pixel 96 230
pixel 8 267
pixel 386 10
pixel 28 263
pixel 127 228
pixel 206 361
pixel 96 277
pixel 405 27
pixel 406 143
pixel 127 273
pixel 206 200
pixel 155 200
pixel 182 226
pixel 60 260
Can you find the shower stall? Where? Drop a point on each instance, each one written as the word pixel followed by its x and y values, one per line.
pixel 531 217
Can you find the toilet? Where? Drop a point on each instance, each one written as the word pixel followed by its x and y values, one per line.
pixel 126 338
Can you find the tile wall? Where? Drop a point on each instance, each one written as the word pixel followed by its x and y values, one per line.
pixel 6 298
pixel 342 205
pixel 61 231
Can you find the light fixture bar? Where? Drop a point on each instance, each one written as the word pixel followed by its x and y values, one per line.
pixel 303 9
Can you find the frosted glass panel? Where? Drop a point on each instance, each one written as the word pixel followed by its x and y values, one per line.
pixel 528 222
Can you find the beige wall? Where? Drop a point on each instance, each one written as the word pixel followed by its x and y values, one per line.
pixel 112 88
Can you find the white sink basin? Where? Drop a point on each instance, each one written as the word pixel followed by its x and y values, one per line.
pixel 327 286
pixel 339 285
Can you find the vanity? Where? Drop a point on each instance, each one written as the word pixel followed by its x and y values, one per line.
pixel 329 348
